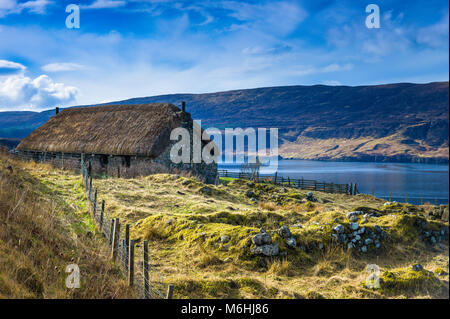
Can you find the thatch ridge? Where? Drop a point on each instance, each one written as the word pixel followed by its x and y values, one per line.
pixel 136 130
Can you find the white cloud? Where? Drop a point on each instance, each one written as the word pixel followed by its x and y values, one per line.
pixel 436 35
pixel 308 70
pixel 277 17
pixel 8 67
pixel 19 92
pixel 62 67
pixel 12 6
pixel 104 4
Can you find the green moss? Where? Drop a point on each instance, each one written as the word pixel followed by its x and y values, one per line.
pixel 409 281
pixel 404 228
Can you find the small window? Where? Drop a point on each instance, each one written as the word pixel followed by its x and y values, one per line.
pixel 126 161
pixel 103 160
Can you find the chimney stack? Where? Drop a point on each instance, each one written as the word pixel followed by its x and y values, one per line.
pixel 57 110
pixel 183 106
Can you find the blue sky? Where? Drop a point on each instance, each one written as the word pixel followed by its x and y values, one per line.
pixel 131 48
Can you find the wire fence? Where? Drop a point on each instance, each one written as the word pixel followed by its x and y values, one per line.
pixel 132 257
pixel 301 183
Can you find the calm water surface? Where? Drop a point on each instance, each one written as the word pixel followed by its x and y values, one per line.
pixel 427 181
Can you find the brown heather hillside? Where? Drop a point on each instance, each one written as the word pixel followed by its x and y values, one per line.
pixel 392 122
pixel 41 232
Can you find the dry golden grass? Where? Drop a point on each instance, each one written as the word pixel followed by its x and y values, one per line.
pixel 185 225
pixel 41 232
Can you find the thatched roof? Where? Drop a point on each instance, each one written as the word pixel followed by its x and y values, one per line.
pixel 142 130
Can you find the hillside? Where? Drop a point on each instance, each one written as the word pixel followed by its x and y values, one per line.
pixel 394 122
pixel 45 227
pixel 205 240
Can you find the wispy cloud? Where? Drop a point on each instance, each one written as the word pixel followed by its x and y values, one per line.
pixel 62 67
pixel 308 70
pixel 279 17
pixel 9 67
pixel 435 35
pixel 12 6
pixel 104 4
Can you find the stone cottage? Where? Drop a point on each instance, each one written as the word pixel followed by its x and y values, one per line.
pixel 124 140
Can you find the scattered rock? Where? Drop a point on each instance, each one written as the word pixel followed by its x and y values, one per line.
pixel 291 243
pixel 180 193
pixel 417 267
pixel 250 194
pixel 445 215
pixel 310 197
pixel 206 190
pixel 186 182
pixel 364 249
pixel 250 184
pixel 284 232
pixel 354 226
pixel 355 213
pixel 224 239
pixel 266 250
pixel 354 219
pixel 339 229
pixel 262 239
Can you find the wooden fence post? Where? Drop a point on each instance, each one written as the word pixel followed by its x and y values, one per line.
pixel 390 195
pixel 351 188
pixel 124 253
pixel 95 203
pixel 131 264
pixel 275 182
pixel 127 234
pixel 111 231
pixel 145 270
pixel 102 215
pixel 170 292
pixel 90 188
pixel 406 198
pixel 118 171
pixel 115 238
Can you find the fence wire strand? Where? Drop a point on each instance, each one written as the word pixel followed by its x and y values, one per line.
pixel 155 286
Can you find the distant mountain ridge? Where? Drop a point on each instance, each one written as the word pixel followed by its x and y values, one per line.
pixel 392 122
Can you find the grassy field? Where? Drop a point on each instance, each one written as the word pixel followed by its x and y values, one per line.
pixel 200 237
pixel 44 227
